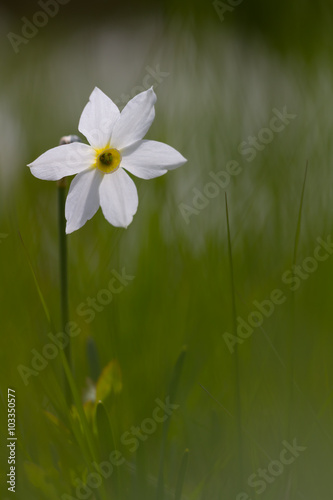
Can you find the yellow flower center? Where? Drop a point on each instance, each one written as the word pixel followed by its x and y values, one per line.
pixel 108 160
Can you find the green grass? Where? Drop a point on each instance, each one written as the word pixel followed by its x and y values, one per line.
pixel 219 91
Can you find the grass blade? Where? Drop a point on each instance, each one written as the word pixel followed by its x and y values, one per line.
pixel 292 339
pixel 181 475
pixel 172 394
pixel 39 291
pixel 106 441
pixel 83 418
pixel 299 220
pixel 237 375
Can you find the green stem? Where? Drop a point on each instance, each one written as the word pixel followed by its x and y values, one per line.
pixel 237 374
pixel 292 339
pixel 292 343
pixel 63 271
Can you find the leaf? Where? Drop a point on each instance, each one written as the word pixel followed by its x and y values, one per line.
pixel 40 480
pixel 181 476
pixel 106 441
pixel 89 409
pixel 38 288
pixel 109 381
pixel 57 422
pixel 299 220
pixel 177 370
pixel 93 359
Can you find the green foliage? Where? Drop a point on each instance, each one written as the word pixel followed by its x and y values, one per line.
pixel 219 92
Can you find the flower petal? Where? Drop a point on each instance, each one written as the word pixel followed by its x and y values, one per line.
pixel 135 120
pixel 83 199
pixel 149 159
pixel 58 162
pixel 118 198
pixel 98 118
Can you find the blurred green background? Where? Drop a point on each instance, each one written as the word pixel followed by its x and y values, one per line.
pixel 219 73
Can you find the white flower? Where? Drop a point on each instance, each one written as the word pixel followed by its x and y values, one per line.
pixel 116 145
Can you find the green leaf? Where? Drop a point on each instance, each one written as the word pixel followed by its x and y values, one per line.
pixel 57 422
pixel 93 359
pixel 104 431
pixel 106 442
pixel 172 394
pixel 40 480
pixel 38 288
pixel 299 220
pixel 181 475
pixel 109 381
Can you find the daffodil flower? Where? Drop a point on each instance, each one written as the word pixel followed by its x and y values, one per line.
pixel 115 145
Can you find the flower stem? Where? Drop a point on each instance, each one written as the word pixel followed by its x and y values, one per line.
pixel 62 184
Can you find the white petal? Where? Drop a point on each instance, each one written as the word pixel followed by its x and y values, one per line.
pixel 149 159
pixel 135 120
pixel 98 118
pixel 118 198
pixel 83 199
pixel 58 162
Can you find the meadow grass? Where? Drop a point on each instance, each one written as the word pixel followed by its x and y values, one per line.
pixel 220 90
